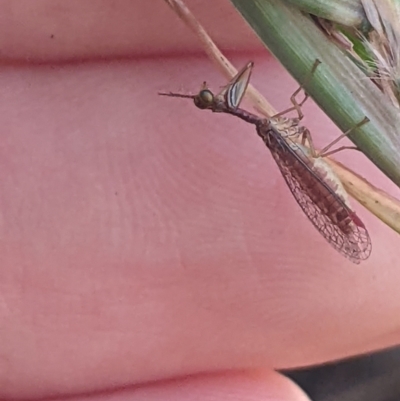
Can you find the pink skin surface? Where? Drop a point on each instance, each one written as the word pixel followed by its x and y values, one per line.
pixel 149 245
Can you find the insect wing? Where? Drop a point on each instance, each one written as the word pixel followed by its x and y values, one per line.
pixel 355 243
pixel 234 91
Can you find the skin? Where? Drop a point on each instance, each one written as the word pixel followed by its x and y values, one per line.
pixel 151 248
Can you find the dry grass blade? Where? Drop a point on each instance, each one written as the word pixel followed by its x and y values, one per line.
pixel 383 42
pixel 380 203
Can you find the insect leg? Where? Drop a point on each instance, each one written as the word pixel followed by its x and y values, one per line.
pixel 331 152
pixel 296 105
pixel 306 140
pixel 325 151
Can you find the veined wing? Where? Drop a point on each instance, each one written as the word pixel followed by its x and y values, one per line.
pixel 326 210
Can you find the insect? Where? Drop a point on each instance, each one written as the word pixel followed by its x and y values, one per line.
pixel 314 185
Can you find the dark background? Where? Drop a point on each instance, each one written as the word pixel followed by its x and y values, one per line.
pixel 373 377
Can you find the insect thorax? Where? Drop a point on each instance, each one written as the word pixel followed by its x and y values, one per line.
pixel 287 127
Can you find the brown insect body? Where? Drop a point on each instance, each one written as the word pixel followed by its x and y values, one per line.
pixel 316 188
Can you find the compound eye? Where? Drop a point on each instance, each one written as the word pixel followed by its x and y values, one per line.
pixel 204 99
